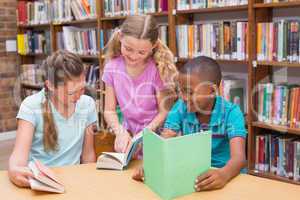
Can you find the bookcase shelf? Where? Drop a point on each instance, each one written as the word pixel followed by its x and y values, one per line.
pixel 213 10
pixel 28 26
pixel 31 86
pixel 158 14
pixel 272 176
pixel 183 60
pixel 278 64
pixel 77 22
pixel 277 5
pixel 34 55
pixel 274 127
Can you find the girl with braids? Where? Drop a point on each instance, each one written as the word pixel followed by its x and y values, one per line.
pixel 139 76
pixel 55 125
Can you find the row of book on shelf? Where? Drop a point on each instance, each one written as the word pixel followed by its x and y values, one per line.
pixel 196 4
pixel 219 40
pixel 278 154
pixel 82 41
pixel 132 7
pixel 34 42
pixel 279 41
pixel 57 11
pixel 44 12
pixel 32 74
pixel 279 104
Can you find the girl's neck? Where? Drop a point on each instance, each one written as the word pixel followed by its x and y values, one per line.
pixel 65 110
pixel 135 71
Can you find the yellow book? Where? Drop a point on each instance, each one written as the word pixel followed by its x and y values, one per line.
pixel 259 38
pixel 21 48
pixel 191 41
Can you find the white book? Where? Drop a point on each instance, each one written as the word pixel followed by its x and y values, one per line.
pixel 44 178
pixel 119 161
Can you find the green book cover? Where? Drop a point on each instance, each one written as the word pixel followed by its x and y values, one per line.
pixel 172 165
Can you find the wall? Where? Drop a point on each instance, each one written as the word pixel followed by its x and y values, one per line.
pixel 8 66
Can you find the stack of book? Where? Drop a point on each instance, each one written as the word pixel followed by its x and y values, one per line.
pixel 37 42
pixel 279 104
pixel 195 4
pixel 278 41
pixel 67 10
pixel 220 40
pixel 34 12
pixel 124 7
pixel 278 154
pixel 82 41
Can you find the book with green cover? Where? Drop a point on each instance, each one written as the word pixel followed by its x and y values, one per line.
pixel 172 165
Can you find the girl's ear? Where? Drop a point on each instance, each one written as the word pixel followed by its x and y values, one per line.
pixel 49 85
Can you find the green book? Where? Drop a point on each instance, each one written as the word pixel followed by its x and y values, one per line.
pixel 172 165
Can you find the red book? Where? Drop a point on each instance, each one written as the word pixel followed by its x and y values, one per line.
pixel 22 12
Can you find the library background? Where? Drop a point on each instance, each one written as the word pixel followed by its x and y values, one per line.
pixel 256 42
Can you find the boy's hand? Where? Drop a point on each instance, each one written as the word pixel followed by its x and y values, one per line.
pixel 138 174
pixel 20 176
pixel 122 140
pixel 210 180
pixel 167 133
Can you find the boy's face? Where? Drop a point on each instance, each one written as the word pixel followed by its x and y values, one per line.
pixel 196 92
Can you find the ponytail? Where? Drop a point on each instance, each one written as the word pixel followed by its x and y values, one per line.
pixel 165 63
pixel 50 134
pixel 113 47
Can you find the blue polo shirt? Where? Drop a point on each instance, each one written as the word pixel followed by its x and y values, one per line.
pixel 226 122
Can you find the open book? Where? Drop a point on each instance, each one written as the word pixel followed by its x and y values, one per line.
pixel 172 165
pixel 118 161
pixel 44 178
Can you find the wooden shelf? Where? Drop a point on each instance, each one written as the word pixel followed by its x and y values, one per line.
pixel 31 86
pixel 88 56
pixel 35 55
pixel 272 176
pixel 277 5
pixel 278 64
pixel 33 25
pixel 157 14
pixel 182 60
pixel 213 10
pixel 76 22
pixel 280 128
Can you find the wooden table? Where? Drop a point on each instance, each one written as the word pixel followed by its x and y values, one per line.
pixel 84 182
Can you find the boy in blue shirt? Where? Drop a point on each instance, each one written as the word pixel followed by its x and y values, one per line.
pixel 200 108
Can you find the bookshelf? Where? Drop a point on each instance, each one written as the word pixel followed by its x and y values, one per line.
pixel 258 70
pixel 256 12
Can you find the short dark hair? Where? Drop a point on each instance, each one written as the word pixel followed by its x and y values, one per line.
pixel 205 67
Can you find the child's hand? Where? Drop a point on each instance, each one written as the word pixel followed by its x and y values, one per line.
pixel 20 176
pixel 122 140
pixel 212 179
pixel 138 174
pixel 167 133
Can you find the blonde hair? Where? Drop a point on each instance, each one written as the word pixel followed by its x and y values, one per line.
pixel 144 27
pixel 60 67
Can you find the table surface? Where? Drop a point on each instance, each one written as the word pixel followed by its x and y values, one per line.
pixel 84 182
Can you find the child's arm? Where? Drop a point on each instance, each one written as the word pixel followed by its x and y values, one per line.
pixel 111 118
pixel 217 178
pixel 165 100
pixel 18 171
pixel 88 152
pixel 168 133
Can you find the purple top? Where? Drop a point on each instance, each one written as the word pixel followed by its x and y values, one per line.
pixel 135 96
